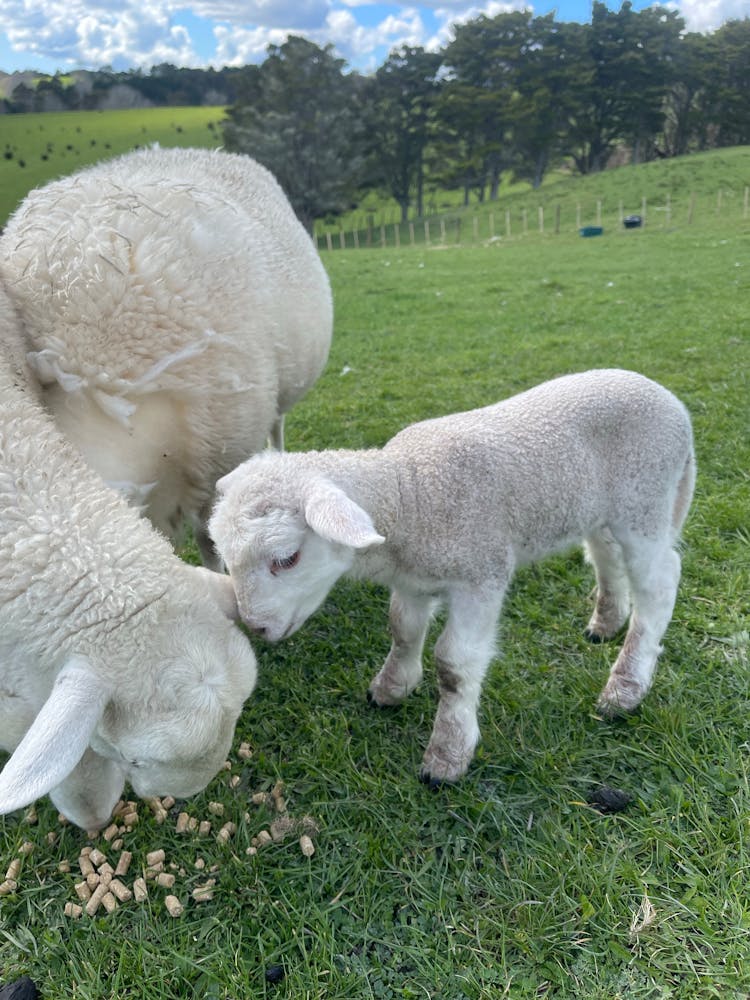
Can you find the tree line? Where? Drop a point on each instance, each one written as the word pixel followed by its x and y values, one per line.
pixel 510 95
pixel 514 94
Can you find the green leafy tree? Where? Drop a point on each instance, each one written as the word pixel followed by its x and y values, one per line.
pixel 400 103
pixel 302 120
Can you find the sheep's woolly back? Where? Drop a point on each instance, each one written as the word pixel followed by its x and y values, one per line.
pixel 173 308
pixel 127 270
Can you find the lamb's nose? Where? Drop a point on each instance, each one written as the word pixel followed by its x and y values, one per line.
pixel 259 630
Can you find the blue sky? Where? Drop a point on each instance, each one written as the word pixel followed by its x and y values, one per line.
pixel 49 35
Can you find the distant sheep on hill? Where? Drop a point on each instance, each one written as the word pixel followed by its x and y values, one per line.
pixel 174 310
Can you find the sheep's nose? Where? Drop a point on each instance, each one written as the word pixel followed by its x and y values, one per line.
pixel 259 630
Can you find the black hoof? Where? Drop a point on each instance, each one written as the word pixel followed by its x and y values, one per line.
pixel 434 784
pixel 593 637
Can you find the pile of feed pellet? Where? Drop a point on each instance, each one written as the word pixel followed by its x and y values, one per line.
pixel 111 875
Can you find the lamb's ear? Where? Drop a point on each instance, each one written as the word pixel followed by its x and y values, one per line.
pixel 337 518
pixel 223 484
pixel 57 738
pixel 220 587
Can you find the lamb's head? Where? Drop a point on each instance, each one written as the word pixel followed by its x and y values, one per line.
pixel 286 533
pixel 159 713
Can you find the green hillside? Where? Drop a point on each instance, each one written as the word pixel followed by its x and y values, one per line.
pixel 37 148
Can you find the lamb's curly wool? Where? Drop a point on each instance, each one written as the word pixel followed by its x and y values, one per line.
pixel 448 509
pixel 117 660
pixel 174 309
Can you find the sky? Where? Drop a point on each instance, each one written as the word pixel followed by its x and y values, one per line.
pixel 50 35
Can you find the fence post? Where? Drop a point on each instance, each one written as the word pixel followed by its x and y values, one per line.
pixel 342 239
pixel 507 222
pixel 411 233
pixel 329 241
pixel 396 234
pixel 622 214
pixel 492 220
pixel 643 209
pixel 598 211
pixel 669 208
pixel 458 230
pixel 427 232
pixel 442 231
pixel 541 219
pixel 525 217
pixel 356 239
pixel 382 236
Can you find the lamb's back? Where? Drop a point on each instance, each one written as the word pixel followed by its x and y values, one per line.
pixel 543 467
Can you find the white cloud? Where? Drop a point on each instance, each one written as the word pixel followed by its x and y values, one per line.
pixel 708 15
pixel 128 33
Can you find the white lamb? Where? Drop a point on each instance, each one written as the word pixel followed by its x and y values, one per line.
pixel 116 658
pixel 448 509
pixel 174 309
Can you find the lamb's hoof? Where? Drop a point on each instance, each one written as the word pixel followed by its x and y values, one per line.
pixel 434 784
pixel 620 699
pixel 593 637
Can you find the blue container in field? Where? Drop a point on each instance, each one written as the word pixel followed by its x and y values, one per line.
pixel 591 231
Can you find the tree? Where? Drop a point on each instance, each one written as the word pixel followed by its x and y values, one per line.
pixel 303 122
pixel 401 98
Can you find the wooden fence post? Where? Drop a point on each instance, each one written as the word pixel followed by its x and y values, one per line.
pixel 382 236
pixel 397 234
pixel 411 233
pixel 525 217
pixel 507 222
pixel 427 232
pixel 492 221
pixel 643 209
pixel 356 239
pixel 442 231
pixel 342 239
pixel 329 241
pixel 598 211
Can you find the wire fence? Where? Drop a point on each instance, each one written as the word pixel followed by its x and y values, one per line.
pixel 469 227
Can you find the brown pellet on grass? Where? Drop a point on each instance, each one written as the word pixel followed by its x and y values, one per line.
pixel 173 905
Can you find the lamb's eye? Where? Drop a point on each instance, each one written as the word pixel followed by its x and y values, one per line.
pixel 277 565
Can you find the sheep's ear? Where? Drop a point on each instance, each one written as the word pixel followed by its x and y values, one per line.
pixel 57 738
pixel 337 518
pixel 220 587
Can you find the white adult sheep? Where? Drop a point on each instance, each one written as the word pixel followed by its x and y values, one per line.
pixel 117 660
pixel 449 508
pixel 174 309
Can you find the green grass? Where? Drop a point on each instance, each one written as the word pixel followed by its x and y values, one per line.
pixel 57 143
pixel 507 884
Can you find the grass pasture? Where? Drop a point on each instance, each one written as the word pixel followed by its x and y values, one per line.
pixel 508 884
pixel 36 148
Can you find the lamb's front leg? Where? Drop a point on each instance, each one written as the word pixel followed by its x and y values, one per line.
pixel 409 619
pixel 462 654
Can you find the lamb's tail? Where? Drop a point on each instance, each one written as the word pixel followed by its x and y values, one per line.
pixel 684 494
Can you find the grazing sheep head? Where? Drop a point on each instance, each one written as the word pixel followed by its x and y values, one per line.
pixel 166 728
pixel 285 536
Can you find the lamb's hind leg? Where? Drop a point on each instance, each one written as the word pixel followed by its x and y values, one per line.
pixel 653 568
pixel 612 590
pixel 409 619
pixel 462 655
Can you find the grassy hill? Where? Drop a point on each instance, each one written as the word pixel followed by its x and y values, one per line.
pixel 709 186
pixel 37 148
